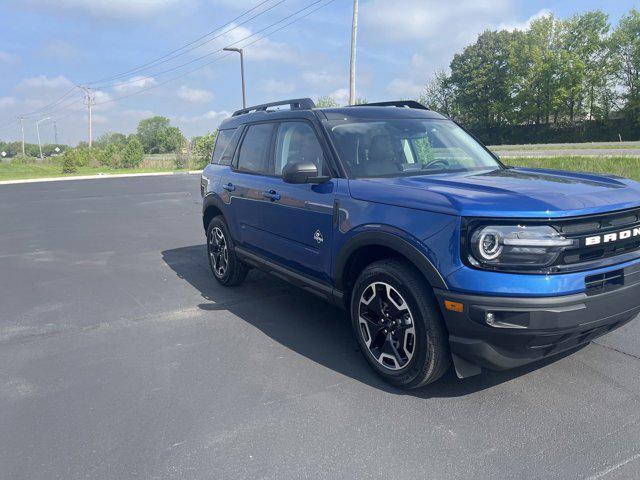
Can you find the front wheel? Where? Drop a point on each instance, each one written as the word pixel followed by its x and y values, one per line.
pixel 225 265
pixel 398 324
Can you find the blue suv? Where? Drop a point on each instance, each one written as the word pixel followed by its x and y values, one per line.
pixel 440 253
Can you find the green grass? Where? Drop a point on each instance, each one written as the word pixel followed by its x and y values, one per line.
pixel 20 171
pixel 628 167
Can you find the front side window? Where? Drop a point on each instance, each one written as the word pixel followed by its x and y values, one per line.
pixel 253 156
pixel 392 147
pixel 296 142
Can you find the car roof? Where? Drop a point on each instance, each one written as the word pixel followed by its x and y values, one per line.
pixel 356 112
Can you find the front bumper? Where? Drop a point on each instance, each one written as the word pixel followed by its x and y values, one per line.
pixel 527 329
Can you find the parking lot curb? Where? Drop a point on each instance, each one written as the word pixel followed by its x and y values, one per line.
pixel 94 177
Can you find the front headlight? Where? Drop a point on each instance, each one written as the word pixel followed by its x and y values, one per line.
pixel 513 246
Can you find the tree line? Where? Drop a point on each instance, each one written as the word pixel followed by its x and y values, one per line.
pixel 556 73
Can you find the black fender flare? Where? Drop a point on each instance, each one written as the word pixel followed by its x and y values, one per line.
pixel 386 239
pixel 211 199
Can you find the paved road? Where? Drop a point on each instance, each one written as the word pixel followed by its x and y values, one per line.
pixel 120 358
pixel 631 149
pixel 562 152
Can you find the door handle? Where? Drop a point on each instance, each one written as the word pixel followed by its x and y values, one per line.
pixel 271 195
pixel 229 187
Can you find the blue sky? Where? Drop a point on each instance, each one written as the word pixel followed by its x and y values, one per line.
pixel 48 46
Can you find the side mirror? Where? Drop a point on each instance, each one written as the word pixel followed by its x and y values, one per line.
pixel 302 172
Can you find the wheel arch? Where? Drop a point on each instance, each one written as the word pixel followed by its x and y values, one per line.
pixel 212 206
pixel 367 247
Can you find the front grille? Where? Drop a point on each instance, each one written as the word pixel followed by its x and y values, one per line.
pixel 599 225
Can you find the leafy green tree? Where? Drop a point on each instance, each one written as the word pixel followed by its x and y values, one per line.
pixel 158 136
pixel 326 102
pixel 481 75
pixel 438 94
pixel 111 138
pixel 625 49
pixel 202 149
pixel 133 154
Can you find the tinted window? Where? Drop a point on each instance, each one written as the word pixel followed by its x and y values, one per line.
pixel 254 151
pixel 379 148
pixel 225 145
pixel 297 141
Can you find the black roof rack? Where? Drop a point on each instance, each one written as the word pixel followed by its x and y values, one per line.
pixel 395 103
pixel 295 104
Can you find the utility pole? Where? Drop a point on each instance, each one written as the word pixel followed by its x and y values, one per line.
pixel 352 69
pixel 89 101
pixel 22 128
pixel 55 132
pixel 38 130
pixel 244 92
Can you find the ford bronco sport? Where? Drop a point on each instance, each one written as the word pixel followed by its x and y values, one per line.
pixel 439 251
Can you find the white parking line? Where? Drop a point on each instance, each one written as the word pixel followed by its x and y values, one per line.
pixel 609 470
pixel 93 177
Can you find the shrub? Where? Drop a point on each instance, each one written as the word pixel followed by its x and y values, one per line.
pixel 69 161
pixel 110 156
pixel 132 154
pixel 202 149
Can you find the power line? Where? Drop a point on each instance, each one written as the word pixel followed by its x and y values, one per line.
pixel 66 95
pixel 185 48
pixel 50 105
pixel 228 54
pixel 197 59
pixel 188 72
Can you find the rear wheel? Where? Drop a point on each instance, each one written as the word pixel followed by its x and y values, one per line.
pixel 398 324
pixel 225 265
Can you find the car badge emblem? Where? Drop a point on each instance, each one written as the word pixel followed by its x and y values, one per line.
pixel 318 236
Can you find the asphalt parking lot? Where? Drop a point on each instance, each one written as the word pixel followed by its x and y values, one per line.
pixel 121 358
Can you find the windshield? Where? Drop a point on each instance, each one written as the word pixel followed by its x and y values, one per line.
pixel 391 147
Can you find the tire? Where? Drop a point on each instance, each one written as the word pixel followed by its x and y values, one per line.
pixel 225 265
pixel 394 314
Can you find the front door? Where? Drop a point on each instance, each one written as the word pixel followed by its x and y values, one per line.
pixel 298 222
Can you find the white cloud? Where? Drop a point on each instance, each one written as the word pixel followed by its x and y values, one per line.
pixel 427 19
pixel 276 86
pixel 101 8
pixel 6 102
pixel 7 58
pixel 60 50
pixel 401 88
pixel 194 94
pixel 211 115
pixel 320 78
pixel 138 113
pixel 341 96
pixel 45 83
pixel 265 50
pixel 134 83
pixel 545 12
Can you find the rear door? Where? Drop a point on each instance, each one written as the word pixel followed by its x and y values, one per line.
pixel 250 176
pixel 298 222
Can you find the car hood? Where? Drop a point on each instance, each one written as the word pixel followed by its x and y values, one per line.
pixel 510 192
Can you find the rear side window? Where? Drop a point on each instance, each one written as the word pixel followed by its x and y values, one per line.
pixel 253 156
pixel 225 145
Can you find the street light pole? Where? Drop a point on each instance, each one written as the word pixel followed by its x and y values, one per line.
pixel 244 91
pixel 38 130
pixel 352 67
